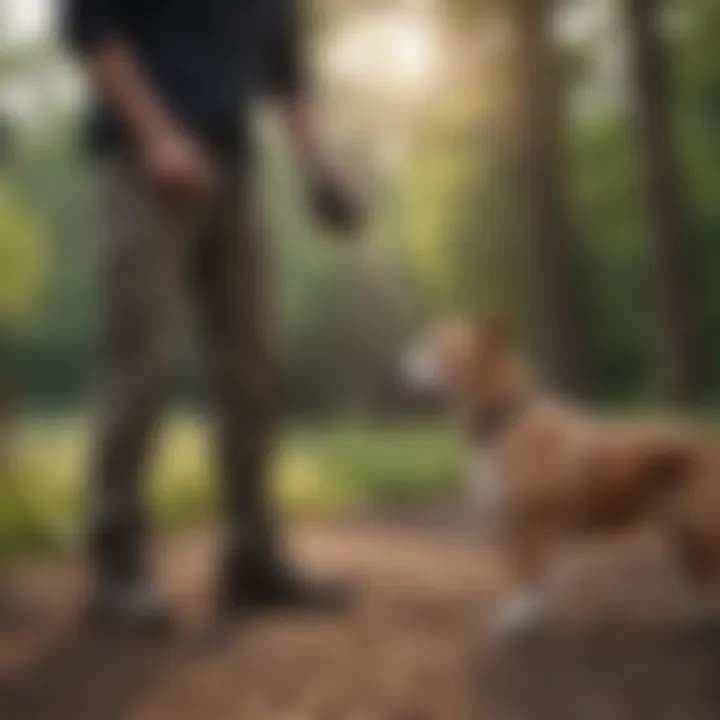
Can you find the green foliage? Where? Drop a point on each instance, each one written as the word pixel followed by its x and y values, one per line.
pixel 618 293
pixel 28 522
pixel 385 465
pixel 22 266
pixel 697 80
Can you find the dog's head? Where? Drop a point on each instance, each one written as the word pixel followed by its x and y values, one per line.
pixel 473 367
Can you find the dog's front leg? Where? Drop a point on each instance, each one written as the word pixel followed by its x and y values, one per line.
pixel 530 547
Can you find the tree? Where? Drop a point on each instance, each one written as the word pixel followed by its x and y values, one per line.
pixel 679 352
pixel 552 274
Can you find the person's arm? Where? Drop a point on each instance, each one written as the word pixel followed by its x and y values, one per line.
pixel 335 202
pixel 334 199
pixel 301 128
pixel 172 159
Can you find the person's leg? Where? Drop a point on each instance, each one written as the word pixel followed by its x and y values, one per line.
pixel 141 272
pixel 233 291
pixel 230 272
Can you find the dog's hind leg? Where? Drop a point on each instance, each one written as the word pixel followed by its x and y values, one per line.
pixel 697 554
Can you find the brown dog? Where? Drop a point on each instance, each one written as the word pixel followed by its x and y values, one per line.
pixel 558 472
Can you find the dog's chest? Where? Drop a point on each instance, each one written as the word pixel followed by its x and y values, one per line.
pixel 490 494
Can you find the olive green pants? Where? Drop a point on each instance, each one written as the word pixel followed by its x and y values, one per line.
pixel 155 256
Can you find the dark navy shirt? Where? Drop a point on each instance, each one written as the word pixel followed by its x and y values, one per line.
pixel 206 59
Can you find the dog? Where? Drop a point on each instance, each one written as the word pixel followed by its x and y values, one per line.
pixel 558 473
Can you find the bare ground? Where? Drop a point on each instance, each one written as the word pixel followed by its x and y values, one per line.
pixel 412 648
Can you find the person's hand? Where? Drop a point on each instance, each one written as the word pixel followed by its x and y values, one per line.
pixel 177 166
pixel 335 202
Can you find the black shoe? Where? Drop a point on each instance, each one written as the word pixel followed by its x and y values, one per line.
pixel 128 606
pixel 274 587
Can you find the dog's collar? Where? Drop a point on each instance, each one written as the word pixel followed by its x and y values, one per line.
pixel 489 425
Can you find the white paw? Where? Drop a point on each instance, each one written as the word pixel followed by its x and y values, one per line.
pixel 519 615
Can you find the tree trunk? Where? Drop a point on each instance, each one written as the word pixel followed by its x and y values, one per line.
pixel 552 272
pixel 679 356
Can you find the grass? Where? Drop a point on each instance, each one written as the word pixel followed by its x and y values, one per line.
pixel 317 471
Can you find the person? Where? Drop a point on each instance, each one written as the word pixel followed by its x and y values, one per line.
pixel 172 84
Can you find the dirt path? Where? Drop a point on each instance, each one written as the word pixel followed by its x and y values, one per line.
pixel 410 650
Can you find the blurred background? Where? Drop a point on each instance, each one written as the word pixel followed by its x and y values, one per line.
pixel 555 161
